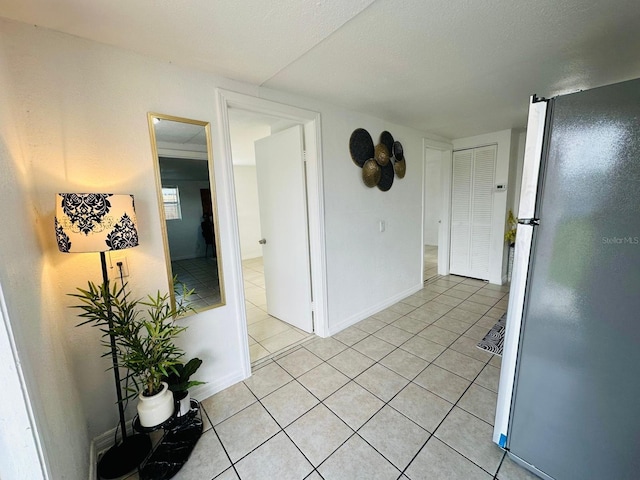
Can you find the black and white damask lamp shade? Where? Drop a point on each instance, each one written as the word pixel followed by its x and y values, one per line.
pixel 95 222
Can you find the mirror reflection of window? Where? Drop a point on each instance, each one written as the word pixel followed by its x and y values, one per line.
pixel 171 200
pixel 182 151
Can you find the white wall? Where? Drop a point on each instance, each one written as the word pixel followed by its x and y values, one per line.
pixel 506 141
pixel 39 321
pixel 246 184
pixel 80 123
pixel 81 120
pixel 185 235
pixel 242 139
pixel 432 195
pixel 366 269
pixel 243 152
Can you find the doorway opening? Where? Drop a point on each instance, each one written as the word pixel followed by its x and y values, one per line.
pixel 432 210
pixel 307 123
pixel 436 201
pixel 273 230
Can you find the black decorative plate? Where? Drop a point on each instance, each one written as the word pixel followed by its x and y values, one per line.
pixel 398 151
pixel 386 179
pixel 387 139
pixel 361 146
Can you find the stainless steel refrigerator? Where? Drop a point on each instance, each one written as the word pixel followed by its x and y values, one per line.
pixel 569 395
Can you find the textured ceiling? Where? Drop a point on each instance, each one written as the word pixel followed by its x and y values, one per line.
pixel 450 67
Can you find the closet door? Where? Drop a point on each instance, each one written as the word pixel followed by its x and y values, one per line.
pixel 471 211
pixel 461 212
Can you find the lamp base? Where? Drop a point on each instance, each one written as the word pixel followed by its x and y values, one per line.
pixel 124 457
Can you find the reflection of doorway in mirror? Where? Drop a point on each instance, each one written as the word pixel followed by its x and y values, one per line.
pixel 267 334
pixel 192 245
pixel 206 225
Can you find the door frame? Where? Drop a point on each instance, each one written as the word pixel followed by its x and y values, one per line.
pixel 26 456
pixel 310 121
pixel 444 232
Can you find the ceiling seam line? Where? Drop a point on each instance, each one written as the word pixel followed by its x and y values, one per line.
pixel 261 84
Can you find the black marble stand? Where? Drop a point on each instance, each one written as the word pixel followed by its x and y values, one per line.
pixel 180 435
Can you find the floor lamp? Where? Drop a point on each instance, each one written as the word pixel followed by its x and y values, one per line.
pixel 98 222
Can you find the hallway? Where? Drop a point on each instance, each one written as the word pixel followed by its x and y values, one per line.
pixel 404 394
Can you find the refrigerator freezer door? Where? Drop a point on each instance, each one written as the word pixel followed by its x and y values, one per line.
pixel 575 407
pixel 528 193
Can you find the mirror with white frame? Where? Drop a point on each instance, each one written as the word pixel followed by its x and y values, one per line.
pixel 187 207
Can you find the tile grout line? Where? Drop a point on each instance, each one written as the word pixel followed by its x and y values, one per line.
pixel 472 382
pixel 442 421
pixel 387 403
pixel 279 355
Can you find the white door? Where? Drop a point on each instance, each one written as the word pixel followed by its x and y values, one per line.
pixel 283 218
pixel 472 210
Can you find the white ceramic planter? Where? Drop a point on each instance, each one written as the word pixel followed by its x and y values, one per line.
pixel 184 404
pixel 154 410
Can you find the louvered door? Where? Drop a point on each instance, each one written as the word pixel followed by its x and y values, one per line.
pixel 471 211
pixel 461 212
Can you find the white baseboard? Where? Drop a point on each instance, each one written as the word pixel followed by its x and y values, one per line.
pixel 202 392
pixel 101 444
pixel 353 319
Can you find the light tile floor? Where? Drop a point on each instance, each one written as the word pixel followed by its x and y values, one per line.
pixel 404 394
pixel 430 261
pixel 267 334
pixel 200 274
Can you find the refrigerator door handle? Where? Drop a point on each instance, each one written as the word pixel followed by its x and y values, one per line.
pixel 529 221
pixel 524 236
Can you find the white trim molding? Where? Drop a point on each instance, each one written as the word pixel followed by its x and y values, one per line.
pixel 372 310
pixel 444 232
pixel 25 457
pixel 310 121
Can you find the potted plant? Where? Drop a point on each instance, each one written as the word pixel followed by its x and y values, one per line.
pixel 145 331
pixel 510 234
pixel 510 238
pixel 179 383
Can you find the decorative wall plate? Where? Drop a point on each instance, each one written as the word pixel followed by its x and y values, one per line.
pixel 361 146
pixel 398 151
pixel 386 179
pixel 371 173
pixel 379 163
pixel 387 140
pixel 382 155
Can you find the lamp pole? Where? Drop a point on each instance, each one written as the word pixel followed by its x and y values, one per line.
pixel 124 457
pixel 112 340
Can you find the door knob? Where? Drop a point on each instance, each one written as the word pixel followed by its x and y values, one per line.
pixel 262 242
